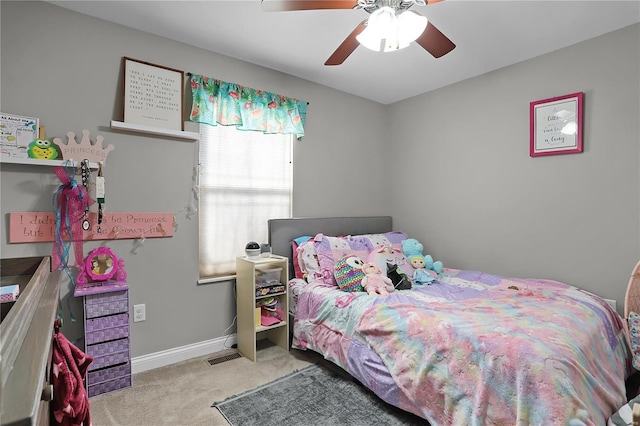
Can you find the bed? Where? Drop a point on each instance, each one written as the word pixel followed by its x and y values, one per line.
pixel 471 348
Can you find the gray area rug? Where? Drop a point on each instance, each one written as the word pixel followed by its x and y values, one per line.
pixel 314 395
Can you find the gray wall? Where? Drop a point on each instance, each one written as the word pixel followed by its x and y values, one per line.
pixel 65 68
pixel 468 189
pixel 478 201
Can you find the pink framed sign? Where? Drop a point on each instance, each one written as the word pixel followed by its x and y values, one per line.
pixel 556 125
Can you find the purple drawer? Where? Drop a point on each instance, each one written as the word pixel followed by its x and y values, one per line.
pixel 109 386
pixel 107 322
pixel 108 308
pixel 106 297
pixel 106 348
pixel 111 373
pixel 107 334
pixel 109 360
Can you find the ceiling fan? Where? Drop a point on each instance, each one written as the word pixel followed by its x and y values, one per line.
pixel 391 26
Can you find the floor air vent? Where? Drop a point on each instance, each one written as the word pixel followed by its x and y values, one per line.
pixel 222 358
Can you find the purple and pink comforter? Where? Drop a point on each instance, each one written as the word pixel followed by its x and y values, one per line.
pixel 474 348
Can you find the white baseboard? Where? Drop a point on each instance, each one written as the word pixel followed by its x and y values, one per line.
pixel 182 353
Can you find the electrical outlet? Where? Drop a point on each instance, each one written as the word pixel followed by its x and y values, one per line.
pixel 139 313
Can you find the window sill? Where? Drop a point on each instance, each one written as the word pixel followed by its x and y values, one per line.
pixel 215 280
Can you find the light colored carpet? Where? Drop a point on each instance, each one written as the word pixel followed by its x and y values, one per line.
pixel 182 393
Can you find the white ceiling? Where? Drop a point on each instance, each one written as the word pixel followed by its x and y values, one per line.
pixel 488 34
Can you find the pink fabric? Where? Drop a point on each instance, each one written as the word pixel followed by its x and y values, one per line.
pixel 296 265
pixel 70 400
pixel 70 203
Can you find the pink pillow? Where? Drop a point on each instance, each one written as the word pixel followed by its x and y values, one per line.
pixel 307 261
pixel 296 266
pixel 394 238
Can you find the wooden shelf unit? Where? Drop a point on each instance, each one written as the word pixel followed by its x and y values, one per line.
pixel 248 332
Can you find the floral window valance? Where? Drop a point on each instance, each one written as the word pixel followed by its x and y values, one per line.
pixel 219 102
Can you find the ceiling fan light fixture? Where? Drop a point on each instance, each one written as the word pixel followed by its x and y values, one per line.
pixel 387 31
pixel 411 25
pixel 369 39
pixel 382 25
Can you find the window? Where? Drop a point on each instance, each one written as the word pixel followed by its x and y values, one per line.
pixel 245 179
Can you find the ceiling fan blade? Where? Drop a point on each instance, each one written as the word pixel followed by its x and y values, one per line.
pixel 434 42
pixel 347 47
pixel 287 5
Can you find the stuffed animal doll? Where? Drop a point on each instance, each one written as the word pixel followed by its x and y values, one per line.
pixel 374 282
pixel 348 273
pixel 422 275
pixel 412 247
pixel 399 279
pixel 382 255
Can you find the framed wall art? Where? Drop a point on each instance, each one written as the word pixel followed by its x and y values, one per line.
pixel 556 125
pixel 16 133
pixel 153 95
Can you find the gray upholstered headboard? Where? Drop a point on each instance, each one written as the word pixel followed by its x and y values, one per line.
pixel 283 231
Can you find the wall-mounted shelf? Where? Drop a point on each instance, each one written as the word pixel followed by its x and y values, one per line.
pixel 50 163
pixel 139 128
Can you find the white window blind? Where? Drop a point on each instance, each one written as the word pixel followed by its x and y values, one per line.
pixel 245 179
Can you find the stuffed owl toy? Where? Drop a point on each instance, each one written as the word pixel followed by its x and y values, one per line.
pixel 42 149
pixel 348 273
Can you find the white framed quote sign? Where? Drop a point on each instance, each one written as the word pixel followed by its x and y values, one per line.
pixel 153 95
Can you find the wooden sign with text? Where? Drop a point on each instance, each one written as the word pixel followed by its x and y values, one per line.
pixel 39 227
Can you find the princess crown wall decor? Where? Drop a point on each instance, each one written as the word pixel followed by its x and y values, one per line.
pixel 84 150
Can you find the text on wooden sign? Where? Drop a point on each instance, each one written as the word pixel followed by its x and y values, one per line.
pixel 39 227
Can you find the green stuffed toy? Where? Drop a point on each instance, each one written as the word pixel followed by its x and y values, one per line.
pixel 42 149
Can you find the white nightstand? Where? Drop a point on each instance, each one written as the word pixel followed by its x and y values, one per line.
pixel 249 274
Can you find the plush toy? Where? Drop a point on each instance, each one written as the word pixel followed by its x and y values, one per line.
pixel 412 247
pixel 385 254
pixel 42 149
pixel 374 282
pixel 400 280
pixel 422 275
pixel 348 273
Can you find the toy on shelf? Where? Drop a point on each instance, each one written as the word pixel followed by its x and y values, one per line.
pixel 42 149
pixel 101 269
